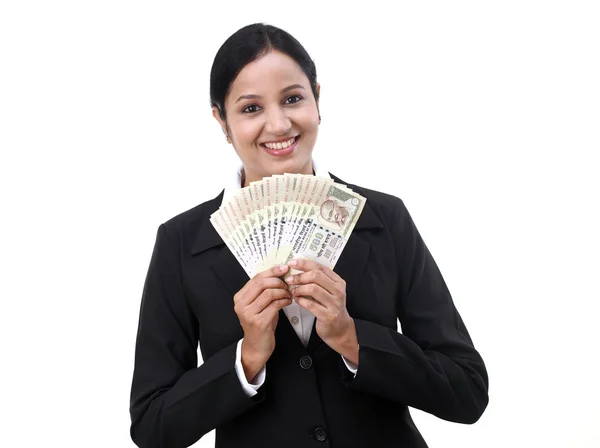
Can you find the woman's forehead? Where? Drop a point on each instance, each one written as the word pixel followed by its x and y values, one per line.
pixel 268 75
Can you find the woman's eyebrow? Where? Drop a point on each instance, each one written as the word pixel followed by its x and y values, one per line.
pixel 252 96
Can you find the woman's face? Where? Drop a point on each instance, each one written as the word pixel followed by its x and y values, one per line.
pixel 271 101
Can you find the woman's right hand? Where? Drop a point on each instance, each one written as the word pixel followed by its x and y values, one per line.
pixel 257 306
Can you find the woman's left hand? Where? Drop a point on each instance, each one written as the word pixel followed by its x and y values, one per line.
pixel 328 302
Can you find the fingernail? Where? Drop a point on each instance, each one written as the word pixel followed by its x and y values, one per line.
pixel 283 267
pixel 289 279
pixel 293 262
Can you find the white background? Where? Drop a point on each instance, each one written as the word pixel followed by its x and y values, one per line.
pixel 483 116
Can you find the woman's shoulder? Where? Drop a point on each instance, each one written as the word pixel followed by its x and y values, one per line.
pixel 189 221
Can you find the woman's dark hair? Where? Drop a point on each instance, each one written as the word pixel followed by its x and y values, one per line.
pixel 246 45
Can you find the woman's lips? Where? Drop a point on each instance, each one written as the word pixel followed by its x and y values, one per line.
pixel 282 152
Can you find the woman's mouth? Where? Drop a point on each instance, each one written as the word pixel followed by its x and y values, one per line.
pixel 279 150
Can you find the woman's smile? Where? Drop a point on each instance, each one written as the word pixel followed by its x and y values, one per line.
pixel 281 149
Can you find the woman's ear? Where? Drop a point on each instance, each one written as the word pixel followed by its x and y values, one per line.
pixel 215 112
pixel 318 88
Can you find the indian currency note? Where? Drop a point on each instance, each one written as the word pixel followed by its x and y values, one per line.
pixel 276 203
pixel 296 193
pixel 316 191
pixel 268 198
pixel 238 208
pixel 333 223
pixel 245 235
pixel 222 227
pixel 284 193
pixel 252 217
pixel 257 193
pixel 289 207
pixel 298 211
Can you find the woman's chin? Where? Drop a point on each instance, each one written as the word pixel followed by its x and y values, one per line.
pixel 304 167
pixel 296 163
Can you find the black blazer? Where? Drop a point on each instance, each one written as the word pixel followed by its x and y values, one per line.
pixel 309 397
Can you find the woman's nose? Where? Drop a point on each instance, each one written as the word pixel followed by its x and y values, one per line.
pixel 277 122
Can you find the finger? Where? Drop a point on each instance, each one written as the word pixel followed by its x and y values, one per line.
pixel 266 298
pixel 274 307
pixel 310 265
pixel 313 276
pixel 275 271
pixel 317 293
pixel 256 286
pixel 318 310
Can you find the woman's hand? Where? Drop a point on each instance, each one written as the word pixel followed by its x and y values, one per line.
pixel 257 306
pixel 323 293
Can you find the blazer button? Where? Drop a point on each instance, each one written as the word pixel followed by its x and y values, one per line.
pixel 306 362
pixel 320 434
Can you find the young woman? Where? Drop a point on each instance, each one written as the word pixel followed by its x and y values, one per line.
pixel 282 371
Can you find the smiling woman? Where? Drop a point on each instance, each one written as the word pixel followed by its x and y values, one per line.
pixel 265 96
pixel 290 373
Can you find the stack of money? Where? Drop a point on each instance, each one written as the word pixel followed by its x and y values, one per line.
pixel 288 216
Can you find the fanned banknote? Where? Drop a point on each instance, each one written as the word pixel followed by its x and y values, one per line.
pixel 288 216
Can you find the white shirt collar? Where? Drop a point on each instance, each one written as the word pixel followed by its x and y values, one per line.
pixel 234 182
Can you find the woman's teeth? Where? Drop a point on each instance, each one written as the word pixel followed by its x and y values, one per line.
pixel 282 145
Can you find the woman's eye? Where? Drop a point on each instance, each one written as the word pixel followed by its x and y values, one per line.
pixel 247 110
pixel 250 109
pixel 294 96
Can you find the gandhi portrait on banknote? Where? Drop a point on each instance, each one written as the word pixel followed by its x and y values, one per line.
pixel 334 212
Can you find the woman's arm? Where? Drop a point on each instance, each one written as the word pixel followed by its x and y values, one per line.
pixel 174 402
pixel 432 365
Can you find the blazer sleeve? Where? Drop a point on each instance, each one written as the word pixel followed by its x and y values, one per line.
pixel 433 365
pixel 173 401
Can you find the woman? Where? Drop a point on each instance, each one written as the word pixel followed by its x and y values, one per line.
pixel 284 371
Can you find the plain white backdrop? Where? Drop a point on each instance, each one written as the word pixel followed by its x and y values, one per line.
pixel 484 117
